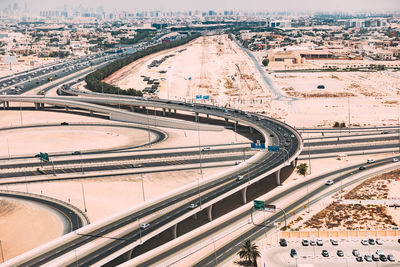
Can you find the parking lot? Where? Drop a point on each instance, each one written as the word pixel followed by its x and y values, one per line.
pixel 309 253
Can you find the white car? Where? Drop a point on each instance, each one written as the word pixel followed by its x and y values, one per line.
pixel 239 178
pixel 206 148
pixel 395 160
pixel 144 225
pixel 370 161
pixel 329 182
pixel 193 205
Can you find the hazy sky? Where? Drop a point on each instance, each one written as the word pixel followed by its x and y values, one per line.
pixel 290 5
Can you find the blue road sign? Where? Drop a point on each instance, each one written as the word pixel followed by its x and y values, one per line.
pixel 206 97
pixel 199 96
pixel 257 145
pixel 274 148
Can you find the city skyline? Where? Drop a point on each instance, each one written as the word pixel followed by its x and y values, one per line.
pixel 251 5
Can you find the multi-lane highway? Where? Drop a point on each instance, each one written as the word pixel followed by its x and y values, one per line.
pixel 210 192
pixel 278 132
pixel 230 248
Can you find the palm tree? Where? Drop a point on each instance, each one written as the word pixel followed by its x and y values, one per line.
pixel 302 169
pixel 248 254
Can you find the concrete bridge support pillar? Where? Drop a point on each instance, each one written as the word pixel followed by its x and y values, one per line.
pixel 7 104
pixel 226 121
pixel 4 105
pixel 163 111
pixel 208 116
pixel 175 111
pixel 174 231
pixel 251 129
pixel 293 163
pixel 132 108
pixel 195 216
pixel 42 105
pixel 66 108
pixel 128 255
pixel 278 177
pixel 209 213
pixel 91 113
pixel 37 106
pixel 244 195
pixel 196 119
pixel 169 111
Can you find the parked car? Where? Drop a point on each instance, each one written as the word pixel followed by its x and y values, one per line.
pixel 383 258
pixel 364 242
pixel 283 242
pixel 375 257
pixel 390 257
pixel 371 241
pixel 293 253
pixel 325 253
pixel 305 242
pixel 334 242
pixel 367 258
pixel 359 259
pixel 355 252
pixel 340 253
pixel 319 242
pixel 313 243
pixel 379 241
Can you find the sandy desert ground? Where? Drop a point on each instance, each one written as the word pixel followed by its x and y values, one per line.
pixel 22 230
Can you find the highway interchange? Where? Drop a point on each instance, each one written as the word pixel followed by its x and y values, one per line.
pixel 261 165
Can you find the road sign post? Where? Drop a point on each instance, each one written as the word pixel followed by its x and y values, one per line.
pixel 259 205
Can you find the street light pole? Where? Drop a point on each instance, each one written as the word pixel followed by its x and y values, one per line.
pixel 284 214
pixel 198 134
pixel 215 253
pixel 398 123
pixel 348 107
pixel 2 254
pixel 83 195
pixel 144 199
pixel 148 125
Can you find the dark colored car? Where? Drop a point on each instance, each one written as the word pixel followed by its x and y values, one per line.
pixel 325 253
pixel 361 168
pixel 293 253
pixel 359 259
pixel 64 123
pixel 76 153
pixel 282 242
